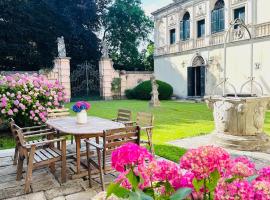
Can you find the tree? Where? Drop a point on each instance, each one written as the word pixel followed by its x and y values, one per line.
pixel 149 57
pixel 126 27
pixel 29 29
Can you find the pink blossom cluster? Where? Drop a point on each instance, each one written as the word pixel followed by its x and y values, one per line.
pixel 129 155
pixel 242 166
pixel 235 174
pixel 238 189
pixel 204 160
pixel 27 98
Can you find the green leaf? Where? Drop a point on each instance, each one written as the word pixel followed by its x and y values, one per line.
pixel 252 178
pixel 168 187
pixel 133 179
pixel 117 190
pixel 180 194
pixel 139 195
pixel 149 191
pixel 198 184
pixel 213 180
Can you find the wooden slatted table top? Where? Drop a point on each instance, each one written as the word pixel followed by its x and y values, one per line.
pixel 94 125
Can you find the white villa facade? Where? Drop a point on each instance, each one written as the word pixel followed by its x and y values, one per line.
pixel 189 39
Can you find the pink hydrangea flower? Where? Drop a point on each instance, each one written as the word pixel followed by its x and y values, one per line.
pixel 204 160
pixel 261 190
pixel 238 189
pixel 242 166
pixel 264 174
pixel 128 155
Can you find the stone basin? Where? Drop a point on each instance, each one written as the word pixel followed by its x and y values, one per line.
pixel 239 122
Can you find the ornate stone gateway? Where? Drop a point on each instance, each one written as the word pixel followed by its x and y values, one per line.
pixel 239 118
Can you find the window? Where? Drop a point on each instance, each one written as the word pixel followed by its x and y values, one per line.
pixel 239 13
pixel 200 28
pixel 172 36
pixel 185 27
pixel 217 17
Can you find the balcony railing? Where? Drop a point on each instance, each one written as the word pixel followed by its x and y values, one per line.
pixel 260 30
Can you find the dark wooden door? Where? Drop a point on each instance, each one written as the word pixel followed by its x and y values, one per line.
pixel 196 81
pixel 202 81
pixel 191 81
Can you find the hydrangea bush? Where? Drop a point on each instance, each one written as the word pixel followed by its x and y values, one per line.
pixel 27 98
pixel 205 173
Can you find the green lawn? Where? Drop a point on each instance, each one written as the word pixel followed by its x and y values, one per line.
pixel 173 120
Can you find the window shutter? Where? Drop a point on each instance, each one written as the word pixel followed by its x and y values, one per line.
pixel 187 29
pixel 202 73
pixel 181 30
pixel 213 21
pixel 221 20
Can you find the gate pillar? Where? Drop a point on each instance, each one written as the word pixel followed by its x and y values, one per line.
pixel 106 72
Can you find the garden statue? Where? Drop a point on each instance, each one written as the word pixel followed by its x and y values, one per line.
pixel 61 47
pixel 154 94
pixel 105 50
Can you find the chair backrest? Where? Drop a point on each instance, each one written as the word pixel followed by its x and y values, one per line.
pixel 13 127
pixel 145 119
pixel 116 137
pixel 124 115
pixel 57 113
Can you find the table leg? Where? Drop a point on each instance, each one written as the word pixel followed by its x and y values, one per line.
pixel 78 153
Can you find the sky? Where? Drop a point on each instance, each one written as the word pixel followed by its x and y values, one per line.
pixel 151 5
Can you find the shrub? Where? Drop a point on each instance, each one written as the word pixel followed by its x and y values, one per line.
pixel 129 94
pixel 27 98
pixel 143 90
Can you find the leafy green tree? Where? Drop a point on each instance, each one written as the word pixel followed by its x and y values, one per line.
pixel 126 27
pixel 149 57
pixel 29 29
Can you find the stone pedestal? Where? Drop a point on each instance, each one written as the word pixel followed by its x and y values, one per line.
pixel 239 122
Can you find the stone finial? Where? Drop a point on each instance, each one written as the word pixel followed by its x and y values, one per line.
pixel 154 94
pixel 61 47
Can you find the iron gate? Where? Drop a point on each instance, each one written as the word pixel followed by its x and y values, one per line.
pixel 85 81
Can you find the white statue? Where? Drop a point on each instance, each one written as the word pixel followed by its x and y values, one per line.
pixel 105 49
pixel 154 94
pixel 61 47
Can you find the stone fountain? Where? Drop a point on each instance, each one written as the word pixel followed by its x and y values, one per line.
pixel 239 118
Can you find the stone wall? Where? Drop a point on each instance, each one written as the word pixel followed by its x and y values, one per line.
pixel 129 79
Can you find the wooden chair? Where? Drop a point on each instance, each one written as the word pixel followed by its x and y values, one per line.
pixel 57 113
pixel 38 157
pixel 124 116
pixel 111 139
pixel 27 132
pixel 146 123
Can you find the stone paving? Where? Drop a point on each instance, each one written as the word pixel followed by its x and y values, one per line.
pixel 260 159
pixel 44 186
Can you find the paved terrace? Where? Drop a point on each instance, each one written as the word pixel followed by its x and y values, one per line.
pixel 44 186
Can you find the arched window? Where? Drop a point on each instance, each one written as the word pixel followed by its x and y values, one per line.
pixel 185 27
pixel 217 17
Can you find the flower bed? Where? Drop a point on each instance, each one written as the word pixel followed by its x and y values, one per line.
pixel 27 98
pixel 204 173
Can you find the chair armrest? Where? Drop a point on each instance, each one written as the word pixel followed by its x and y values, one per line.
pixel 40 134
pixel 44 142
pixel 94 144
pixel 33 127
pixel 146 127
pixel 36 132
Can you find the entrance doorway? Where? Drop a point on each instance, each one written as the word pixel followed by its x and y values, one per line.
pixel 196 78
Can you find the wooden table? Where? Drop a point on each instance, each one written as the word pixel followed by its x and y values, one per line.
pixel 93 128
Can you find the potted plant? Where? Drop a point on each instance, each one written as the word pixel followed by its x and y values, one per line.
pixel 80 108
